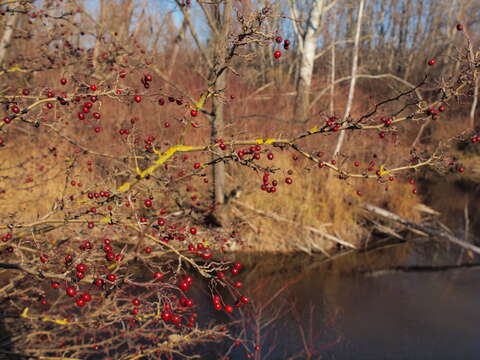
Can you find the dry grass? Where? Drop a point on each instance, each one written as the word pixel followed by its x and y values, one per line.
pixel 315 199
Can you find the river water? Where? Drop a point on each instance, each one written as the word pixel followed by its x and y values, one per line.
pixel 359 307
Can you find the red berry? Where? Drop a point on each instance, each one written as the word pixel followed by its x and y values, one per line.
pixel 176 319
pixel 81 268
pixel 459 27
pixel 137 98
pixel 432 62
pixel 136 302
pixel 244 299
pixel 277 54
pixel 148 203
pixel 63 81
pixel 93 87
pixel 166 316
pixel 71 291
pixel 158 275
pixel 194 112
pixel 80 302
pixel 111 277
pixel 183 285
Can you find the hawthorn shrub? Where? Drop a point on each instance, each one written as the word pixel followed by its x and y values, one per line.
pixel 106 186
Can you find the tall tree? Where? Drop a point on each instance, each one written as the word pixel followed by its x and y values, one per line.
pixel 351 91
pixel 307 39
pixel 219 78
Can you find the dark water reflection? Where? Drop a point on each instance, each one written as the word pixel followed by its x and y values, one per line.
pixel 362 314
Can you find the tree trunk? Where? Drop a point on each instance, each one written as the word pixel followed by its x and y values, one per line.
pixel 351 92
pixel 99 33
pixel 332 68
pixel 221 48
pixel 7 36
pixel 307 59
pixel 474 102
pixel 176 47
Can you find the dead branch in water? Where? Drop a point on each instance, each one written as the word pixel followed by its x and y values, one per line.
pixel 435 233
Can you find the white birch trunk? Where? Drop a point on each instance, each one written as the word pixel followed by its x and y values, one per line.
pixel 351 91
pixel 332 69
pixel 309 45
pixel 7 36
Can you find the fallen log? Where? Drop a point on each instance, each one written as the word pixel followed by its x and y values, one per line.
pixel 436 233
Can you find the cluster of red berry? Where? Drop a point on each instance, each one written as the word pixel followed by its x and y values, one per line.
pixel 286 45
